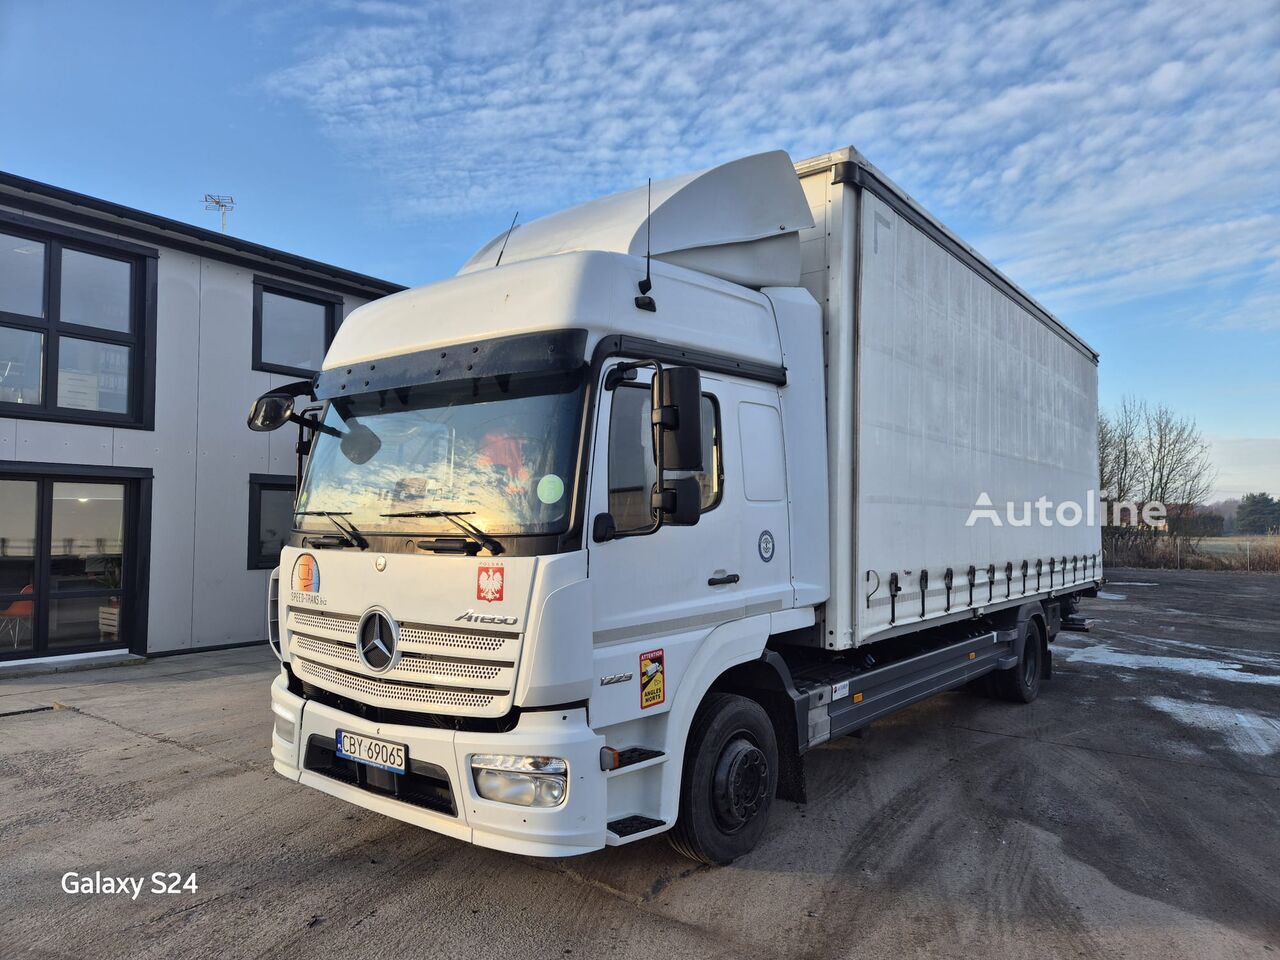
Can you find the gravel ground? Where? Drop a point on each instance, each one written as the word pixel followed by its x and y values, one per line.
pixel 1133 810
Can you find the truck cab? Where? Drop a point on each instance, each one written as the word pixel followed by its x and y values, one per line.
pixel 486 570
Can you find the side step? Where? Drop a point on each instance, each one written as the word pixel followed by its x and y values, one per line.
pixel 626 826
pixel 614 762
pixel 634 755
pixel 1076 624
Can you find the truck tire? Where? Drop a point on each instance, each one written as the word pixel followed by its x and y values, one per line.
pixel 729 779
pixel 1021 684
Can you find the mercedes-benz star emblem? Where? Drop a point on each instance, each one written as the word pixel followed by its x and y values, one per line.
pixel 378 640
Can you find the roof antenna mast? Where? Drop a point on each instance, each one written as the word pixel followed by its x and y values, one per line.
pixel 498 262
pixel 644 301
pixel 223 204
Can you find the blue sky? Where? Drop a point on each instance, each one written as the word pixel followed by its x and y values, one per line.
pixel 1119 160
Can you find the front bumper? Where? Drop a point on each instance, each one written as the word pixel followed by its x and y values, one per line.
pixel 576 826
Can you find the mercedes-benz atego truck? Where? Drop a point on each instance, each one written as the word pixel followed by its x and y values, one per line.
pixel 601 537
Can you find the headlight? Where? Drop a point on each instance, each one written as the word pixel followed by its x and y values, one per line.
pixel 524 781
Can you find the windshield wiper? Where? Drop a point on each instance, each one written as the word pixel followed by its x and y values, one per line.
pixel 353 536
pixel 455 517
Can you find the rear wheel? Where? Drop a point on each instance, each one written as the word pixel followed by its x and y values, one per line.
pixel 729 779
pixel 1021 684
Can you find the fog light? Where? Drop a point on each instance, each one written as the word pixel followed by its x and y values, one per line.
pixel 523 781
pixel 284 729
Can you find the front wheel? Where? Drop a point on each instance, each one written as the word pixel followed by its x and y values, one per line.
pixel 729 779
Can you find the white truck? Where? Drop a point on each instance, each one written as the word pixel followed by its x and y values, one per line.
pixel 600 537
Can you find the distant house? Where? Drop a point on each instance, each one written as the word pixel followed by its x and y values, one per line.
pixel 136 510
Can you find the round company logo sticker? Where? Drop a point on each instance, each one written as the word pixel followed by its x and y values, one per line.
pixel 765 546
pixel 306 574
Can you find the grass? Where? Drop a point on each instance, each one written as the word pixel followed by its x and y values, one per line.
pixel 1242 545
pixel 1256 553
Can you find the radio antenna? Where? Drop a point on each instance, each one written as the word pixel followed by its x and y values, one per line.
pixel 498 262
pixel 647 283
pixel 644 301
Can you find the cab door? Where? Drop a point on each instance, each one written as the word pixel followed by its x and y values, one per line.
pixel 657 597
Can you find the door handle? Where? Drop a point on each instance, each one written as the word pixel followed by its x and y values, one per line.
pixel 722 580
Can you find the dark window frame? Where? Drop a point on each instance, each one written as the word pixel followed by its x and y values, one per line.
pixel 259 482
pixel 140 339
pixel 332 303
pixel 717 445
pixel 135 585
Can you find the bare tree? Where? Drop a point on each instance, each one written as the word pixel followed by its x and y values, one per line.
pixel 1177 467
pixel 1121 460
pixel 1149 453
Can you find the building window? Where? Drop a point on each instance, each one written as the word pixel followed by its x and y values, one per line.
pixel 71 579
pixel 292 327
pixel 76 315
pixel 270 518
pixel 631 461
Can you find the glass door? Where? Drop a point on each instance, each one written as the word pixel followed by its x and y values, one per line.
pixel 18 525
pixel 85 564
pixel 63 574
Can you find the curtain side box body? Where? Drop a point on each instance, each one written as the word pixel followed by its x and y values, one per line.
pixel 947 387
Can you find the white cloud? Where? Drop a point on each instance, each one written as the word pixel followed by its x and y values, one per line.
pixel 1101 151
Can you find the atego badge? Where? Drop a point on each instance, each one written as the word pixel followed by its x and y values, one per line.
pixel 653 685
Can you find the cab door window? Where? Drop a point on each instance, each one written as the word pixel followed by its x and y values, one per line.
pixel 632 470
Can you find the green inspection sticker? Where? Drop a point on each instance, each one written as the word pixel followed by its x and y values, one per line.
pixel 550 489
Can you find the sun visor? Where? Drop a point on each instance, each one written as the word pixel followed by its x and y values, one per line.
pixel 556 351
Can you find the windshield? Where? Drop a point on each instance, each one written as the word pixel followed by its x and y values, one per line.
pixel 500 450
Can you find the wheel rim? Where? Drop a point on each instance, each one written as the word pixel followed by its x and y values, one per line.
pixel 741 783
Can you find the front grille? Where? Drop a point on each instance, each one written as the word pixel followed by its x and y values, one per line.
pixel 337 622
pixel 417 637
pixel 423 785
pixel 430 637
pixel 440 670
pixel 410 663
pixel 338 651
pixel 396 693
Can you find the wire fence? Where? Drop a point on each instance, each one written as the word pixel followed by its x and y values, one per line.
pixel 1134 547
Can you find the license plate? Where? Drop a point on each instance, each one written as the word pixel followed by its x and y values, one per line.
pixel 372 751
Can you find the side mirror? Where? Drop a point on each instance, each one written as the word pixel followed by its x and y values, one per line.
pixel 359 444
pixel 680 501
pixel 604 528
pixel 271 411
pixel 679 417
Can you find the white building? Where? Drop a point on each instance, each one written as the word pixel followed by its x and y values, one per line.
pixel 137 512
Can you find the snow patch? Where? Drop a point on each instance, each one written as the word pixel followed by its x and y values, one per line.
pixel 1131 583
pixel 1103 595
pixel 1257 658
pixel 1103 655
pixel 1246 732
